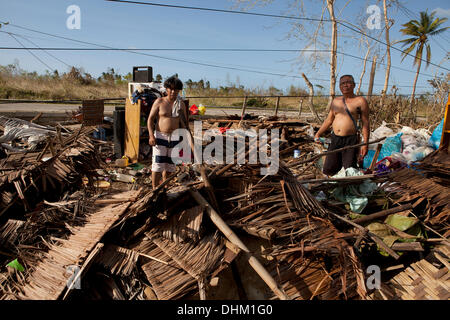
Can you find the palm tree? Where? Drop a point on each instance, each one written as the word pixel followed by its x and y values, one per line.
pixel 419 32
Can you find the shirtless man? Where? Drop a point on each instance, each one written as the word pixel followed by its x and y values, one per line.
pixel 344 129
pixel 167 111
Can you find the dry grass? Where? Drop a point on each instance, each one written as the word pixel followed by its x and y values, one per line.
pixel 396 109
pixel 20 87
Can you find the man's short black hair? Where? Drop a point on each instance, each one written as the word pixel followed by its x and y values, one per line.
pixel 173 83
pixel 347 75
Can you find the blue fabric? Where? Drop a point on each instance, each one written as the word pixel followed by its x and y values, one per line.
pixel 390 145
pixel 435 139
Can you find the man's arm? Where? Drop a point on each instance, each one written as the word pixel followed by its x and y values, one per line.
pixel 365 126
pixel 151 122
pixel 326 124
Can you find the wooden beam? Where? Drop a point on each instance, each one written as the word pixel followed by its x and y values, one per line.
pixel 277 106
pixel 383 213
pixel 231 236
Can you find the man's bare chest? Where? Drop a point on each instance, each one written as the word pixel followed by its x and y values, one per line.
pixel 340 110
pixel 165 110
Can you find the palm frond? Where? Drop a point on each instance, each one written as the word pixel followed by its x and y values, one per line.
pixel 411 48
pixel 406 41
pixel 433 33
pixel 419 52
pixel 436 23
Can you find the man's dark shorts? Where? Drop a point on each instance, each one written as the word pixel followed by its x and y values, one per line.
pixel 347 158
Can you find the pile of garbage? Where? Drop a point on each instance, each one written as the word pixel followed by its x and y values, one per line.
pixel 406 145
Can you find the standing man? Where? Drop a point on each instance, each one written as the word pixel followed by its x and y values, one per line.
pixel 167 111
pixel 343 117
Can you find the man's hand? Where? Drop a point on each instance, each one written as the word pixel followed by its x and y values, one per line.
pixel 364 150
pixel 316 138
pixel 152 140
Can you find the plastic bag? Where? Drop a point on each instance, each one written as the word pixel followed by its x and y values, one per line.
pixel 368 159
pixel 193 110
pixel 310 131
pixel 380 132
pixel 408 139
pixel 354 195
pixel 420 153
pixel 408 130
pixel 424 134
pixel 391 144
pixel 201 109
pixel 435 139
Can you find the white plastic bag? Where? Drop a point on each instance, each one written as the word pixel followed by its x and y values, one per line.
pixel 380 132
pixel 409 139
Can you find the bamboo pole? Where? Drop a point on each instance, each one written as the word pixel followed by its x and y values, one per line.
pixel 244 106
pixel 87 263
pixel 231 236
pixel 343 179
pixel 295 163
pixel 202 288
pixel 383 213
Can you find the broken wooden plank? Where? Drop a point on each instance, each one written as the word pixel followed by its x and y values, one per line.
pixel 230 235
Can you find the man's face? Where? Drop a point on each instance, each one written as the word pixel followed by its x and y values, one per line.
pixel 346 85
pixel 172 93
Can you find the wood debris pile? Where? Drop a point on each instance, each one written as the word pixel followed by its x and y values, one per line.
pixel 211 231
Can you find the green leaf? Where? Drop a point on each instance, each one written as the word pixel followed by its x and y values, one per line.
pixel 16 265
pixel 400 222
pixel 379 229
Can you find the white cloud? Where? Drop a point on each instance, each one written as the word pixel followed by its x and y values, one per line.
pixel 442 12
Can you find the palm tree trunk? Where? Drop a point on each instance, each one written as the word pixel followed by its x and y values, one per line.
pixel 330 6
pixel 414 87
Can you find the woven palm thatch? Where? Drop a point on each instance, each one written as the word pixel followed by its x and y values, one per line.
pixel 28 178
pixel 50 276
pixel 426 279
pixel 185 263
pixel 414 186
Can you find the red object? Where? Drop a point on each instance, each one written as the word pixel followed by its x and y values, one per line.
pixel 193 109
pixel 223 129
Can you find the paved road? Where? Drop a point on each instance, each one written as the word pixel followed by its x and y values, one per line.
pixel 60 109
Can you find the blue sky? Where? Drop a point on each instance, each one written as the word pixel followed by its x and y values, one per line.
pixel 136 26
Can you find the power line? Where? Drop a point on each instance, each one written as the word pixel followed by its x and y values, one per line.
pixel 32 53
pixel 271 16
pixel 200 49
pixel 39 48
pixel 194 49
pixel 220 10
pixel 381 63
pixel 161 49
pixel 178 60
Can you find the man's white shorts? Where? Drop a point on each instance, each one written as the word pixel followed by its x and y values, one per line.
pixel 161 157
